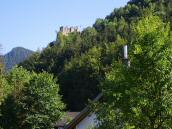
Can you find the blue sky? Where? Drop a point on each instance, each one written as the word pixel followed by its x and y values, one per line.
pixel 33 23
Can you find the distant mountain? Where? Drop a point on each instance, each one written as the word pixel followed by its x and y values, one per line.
pixel 16 56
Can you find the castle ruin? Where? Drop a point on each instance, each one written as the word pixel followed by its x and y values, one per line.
pixel 66 30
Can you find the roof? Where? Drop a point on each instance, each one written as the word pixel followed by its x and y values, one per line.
pixel 66 119
pixel 83 114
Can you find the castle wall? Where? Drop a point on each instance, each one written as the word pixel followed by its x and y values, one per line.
pixel 67 30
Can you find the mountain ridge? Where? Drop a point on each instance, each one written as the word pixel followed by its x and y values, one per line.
pixel 16 56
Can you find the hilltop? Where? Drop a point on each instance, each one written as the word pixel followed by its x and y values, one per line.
pixel 16 56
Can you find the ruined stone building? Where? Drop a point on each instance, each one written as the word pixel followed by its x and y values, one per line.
pixel 66 30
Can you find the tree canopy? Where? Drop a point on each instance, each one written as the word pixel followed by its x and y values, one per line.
pixel 108 35
pixel 139 96
pixel 33 101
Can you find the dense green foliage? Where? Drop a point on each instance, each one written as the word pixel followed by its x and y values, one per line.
pixel 139 96
pixel 3 84
pixel 32 101
pixel 90 62
pixel 1 61
pixel 16 56
pixel 4 88
pixel 70 58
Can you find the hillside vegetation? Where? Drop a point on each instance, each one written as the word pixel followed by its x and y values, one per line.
pixel 81 60
pixel 78 66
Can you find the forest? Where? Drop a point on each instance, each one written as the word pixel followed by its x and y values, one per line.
pixel 68 74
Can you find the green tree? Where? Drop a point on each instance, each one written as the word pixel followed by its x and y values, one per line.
pixel 41 103
pixel 1 62
pixel 81 78
pixel 4 88
pixel 114 29
pixel 139 96
pixel 35 104
pixel 33 63
pixel 89 39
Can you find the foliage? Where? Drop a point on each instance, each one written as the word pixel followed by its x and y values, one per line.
pixel 17 79
pixel 1 62
pixel 114 29
pixel 4 88
pixel 80 78
pixel 32 63
pixel 139 96
pixel 34 102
